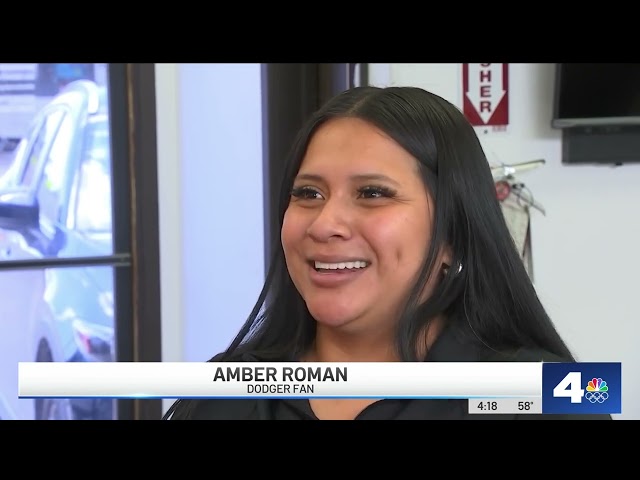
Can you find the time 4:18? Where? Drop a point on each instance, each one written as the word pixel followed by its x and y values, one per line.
pixel 488 405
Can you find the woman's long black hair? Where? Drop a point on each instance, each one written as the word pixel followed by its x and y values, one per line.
pixel 487 287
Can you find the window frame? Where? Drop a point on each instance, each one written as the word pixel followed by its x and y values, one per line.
pixel 133 130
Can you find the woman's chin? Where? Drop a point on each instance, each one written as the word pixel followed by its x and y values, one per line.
pixel 332 317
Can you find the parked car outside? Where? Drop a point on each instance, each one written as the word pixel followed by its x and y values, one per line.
pixel 55 202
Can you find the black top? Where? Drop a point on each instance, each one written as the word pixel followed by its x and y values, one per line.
pixel 449 347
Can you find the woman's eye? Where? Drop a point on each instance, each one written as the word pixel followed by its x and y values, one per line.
pixel 376 192
pixel 306 193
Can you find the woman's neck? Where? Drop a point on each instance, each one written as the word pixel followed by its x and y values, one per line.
pixel 335 345
pixel 332 345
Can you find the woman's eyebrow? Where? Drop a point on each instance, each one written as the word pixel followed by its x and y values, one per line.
pixel 377 177
pixel 362 177
pixel 309 176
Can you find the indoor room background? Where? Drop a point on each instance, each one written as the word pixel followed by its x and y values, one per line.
pixel 584 249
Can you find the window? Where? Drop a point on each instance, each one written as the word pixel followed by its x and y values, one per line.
pixel 75 286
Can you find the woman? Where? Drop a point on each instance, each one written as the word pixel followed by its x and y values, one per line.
pixel 393 248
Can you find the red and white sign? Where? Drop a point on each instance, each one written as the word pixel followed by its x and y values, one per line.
pixel 486 93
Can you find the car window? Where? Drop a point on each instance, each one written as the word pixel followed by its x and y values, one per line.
pixel 35 155
pixel 32 160
pixel 52 183
pixel 11 177
pixel 92 207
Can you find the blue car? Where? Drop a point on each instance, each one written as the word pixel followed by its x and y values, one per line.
pixel 55 203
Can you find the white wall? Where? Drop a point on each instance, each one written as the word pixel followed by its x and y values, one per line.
pixel 211 211
pixel 586 250
pixel 169 206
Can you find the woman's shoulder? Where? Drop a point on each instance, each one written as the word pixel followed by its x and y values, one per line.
pixel 219 408
pixel 216 409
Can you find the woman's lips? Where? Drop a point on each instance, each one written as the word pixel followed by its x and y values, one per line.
pixel 334 277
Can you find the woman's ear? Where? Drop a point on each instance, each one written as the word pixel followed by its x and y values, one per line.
pixel 445 258
pixel 440 269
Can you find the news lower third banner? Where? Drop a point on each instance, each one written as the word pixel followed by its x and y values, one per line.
pixel 490 387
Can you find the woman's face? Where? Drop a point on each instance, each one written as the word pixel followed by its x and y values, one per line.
pixel 357 227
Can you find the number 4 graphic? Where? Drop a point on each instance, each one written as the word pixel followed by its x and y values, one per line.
pixel 570 386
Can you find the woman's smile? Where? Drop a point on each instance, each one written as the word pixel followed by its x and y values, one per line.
pixel 357 225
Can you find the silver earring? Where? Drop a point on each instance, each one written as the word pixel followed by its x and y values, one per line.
pixel 446 269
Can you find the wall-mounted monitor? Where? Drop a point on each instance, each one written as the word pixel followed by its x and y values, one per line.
pixel 596 94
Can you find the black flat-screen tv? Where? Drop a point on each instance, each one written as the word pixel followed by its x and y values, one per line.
pixel 596 95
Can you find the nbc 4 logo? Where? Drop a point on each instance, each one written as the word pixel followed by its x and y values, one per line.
pixel 570 386
pixel 565 391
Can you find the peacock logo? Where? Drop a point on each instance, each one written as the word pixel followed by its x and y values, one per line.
pixel 597 391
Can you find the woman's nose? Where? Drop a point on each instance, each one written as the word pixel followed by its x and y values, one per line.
pixel 331 221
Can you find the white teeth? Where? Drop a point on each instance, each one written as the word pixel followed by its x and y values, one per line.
pixel 340 265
